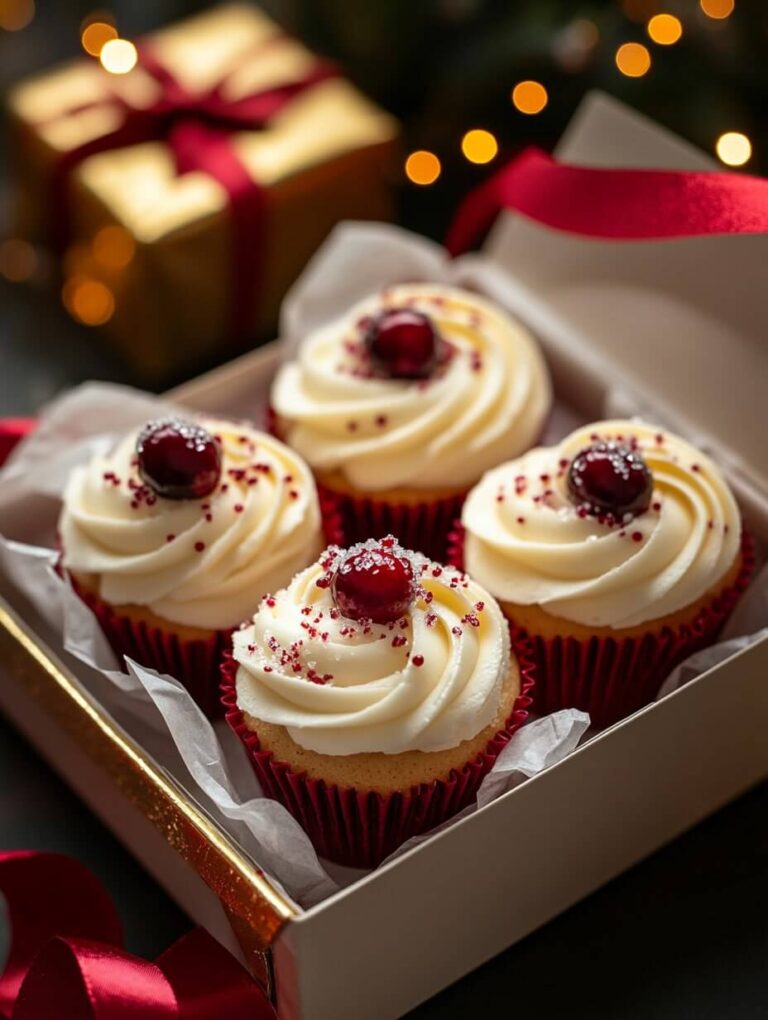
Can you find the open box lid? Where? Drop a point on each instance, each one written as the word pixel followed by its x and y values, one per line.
pixel 684 318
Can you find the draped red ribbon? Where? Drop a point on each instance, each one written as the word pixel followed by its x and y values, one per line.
pixel 629 205
pixel 197 127
pixel 66 957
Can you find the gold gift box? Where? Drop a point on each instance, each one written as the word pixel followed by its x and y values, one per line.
pixel 157 244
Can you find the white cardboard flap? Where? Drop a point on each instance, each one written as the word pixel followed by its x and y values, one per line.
pixel 685 318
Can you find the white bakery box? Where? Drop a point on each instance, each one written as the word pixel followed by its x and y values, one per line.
pixel 673 330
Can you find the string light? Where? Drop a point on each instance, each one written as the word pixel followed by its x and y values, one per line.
pixel 89 301
pixel 479 146
pixel 529 97
pixel 422 167
pixel 16 14
pixel 717 9
pixel 733 148
pixel 118 56
pixel 95 35
pixel 18 260
pixel 113 247
pixel 665 29
pixel 633 59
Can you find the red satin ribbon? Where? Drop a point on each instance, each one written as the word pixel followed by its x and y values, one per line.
pixel 197 127
pixel 66 958
pixel 628 205
pixel 12 430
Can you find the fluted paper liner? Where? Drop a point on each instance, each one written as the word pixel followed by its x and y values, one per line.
pixel 359 827
pixel 611 678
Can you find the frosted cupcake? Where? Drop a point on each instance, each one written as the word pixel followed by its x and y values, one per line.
pixel 373 694
pixel 619 552
pixel 402 404
pixel 173 537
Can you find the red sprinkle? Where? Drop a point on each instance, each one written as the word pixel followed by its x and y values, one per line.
pixel 637 536
pixel 418 660
pixel 169 538
pixel 199 546
pixel 238 508
pixel 380 420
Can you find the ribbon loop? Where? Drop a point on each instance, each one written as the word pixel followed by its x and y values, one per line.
pixel 83 980
pixel 66 959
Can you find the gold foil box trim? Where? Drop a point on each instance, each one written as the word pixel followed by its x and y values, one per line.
pixel 259 908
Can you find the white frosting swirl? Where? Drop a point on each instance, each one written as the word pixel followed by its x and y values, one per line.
pixel 487 404
pixel 198 562
pixel 424 683
pixel 526 542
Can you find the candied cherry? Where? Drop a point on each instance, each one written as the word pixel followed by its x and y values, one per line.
pixel 610 478
pixel 178 459
pixel 373 583
pixel 403 343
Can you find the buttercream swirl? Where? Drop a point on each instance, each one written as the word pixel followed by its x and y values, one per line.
pixel 527 542
pixel 425 682
pixel 197 562
pixel 487 403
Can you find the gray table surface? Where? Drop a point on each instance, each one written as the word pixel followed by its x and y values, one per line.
pixel 683 935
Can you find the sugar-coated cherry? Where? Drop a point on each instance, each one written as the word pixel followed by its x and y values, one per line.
pixel 373 583
pixel 403 343
pixel 610 478
pixel 178 459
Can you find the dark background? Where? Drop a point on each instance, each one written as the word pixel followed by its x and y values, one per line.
pixel 684 935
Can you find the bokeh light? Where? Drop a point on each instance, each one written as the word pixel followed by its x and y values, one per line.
pixel 113 247
pixel 479 146
pixel 733 148
pixel 717 9
pixel 89 301
pixel 118 56
pixel 96 35
pixel 16 14
pixel 633 59
pixel 529 97
pixel 18 260
pixel 665 29
pixel 422 167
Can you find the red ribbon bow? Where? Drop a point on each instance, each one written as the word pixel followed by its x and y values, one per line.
pixel 197 126
pixel 66 958
pixel 630 205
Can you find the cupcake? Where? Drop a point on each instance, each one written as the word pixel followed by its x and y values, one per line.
pixel 618 553
pixel 173 536
pixel 402 404
pixel 373 694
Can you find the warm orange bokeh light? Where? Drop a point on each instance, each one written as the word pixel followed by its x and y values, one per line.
pixel 96 35
pixel 113 247
pixel 665 29
pixel 479 146
pixel 717 9
pixel 18 260
pixel 89 301
pixel 118 56
pixel 16 14
pixel 633 59
pixel 529 97
pixel 422 167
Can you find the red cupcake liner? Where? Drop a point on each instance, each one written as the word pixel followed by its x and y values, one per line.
pixel 361 828
pixel 612 678
pixel 194 663
pixel 423 527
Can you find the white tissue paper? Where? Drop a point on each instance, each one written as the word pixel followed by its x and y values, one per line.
pixel 207 760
